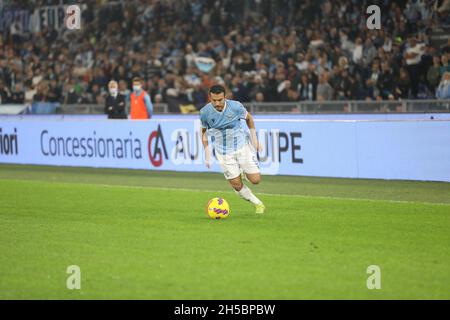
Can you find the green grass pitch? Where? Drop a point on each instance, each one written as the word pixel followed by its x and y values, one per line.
pixel 144 235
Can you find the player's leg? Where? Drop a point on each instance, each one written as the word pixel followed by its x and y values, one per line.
pixel 254 178
pixel 236 183
pixel 232 173
pixel 248 163
pixel 244 192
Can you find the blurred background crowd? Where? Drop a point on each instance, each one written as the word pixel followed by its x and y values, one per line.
pixel 261 50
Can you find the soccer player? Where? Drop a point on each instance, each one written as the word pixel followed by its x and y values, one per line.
pixel 221 119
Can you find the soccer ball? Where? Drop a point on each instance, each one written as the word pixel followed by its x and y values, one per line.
pixel 218 208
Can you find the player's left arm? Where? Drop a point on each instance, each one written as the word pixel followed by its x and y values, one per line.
pixel 253 136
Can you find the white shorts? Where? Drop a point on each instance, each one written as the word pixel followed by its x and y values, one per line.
pixel 243 159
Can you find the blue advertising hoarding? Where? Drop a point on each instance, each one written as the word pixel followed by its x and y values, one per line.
pixel 382 149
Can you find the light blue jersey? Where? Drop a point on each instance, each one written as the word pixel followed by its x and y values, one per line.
pixel 225 127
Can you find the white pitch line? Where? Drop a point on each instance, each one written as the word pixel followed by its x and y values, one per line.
pixel 230 192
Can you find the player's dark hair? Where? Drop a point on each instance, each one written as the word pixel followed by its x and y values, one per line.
pixel 217 89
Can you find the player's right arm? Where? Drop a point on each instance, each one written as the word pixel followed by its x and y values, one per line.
pixel 206 147
pixel 205 139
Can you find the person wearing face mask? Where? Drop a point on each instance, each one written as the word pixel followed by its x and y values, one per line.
pixel 115 102
pixel 443 90
pixel 141 105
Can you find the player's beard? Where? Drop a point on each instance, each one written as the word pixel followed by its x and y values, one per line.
pixel 220 108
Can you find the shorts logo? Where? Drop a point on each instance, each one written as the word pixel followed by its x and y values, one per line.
pixel 256 162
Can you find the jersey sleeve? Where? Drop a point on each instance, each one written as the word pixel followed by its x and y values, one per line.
pixel 241 111
pixel 203 120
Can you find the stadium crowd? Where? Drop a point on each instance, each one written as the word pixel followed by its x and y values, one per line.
pixel 261 50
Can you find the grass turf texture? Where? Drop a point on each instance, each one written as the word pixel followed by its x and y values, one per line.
pixel 142 234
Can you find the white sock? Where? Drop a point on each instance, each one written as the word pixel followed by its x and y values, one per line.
pixel 247 194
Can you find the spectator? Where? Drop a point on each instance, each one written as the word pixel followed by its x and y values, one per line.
pixel 158 99
pixel 344 86
pixel 369 52
pixel 115 102
pixel 72 94
pixel 258 87
pixel 357 54
pixel 445 65
pixel 199 96
pixel 123 90
pixel 403 84
pixel 166 39
pixel 434 74
pixel 55 92
pixel 385 81
pixel 387 45
pixel 259 97
pixel 446 48
pixel 5 95
pixel 283 90
pixel 372 81
pixel 324 89
pixel 444 6
pixel 324 64
pixel 97 96
pixel 18 96
pixel 443 90
pixel 305 88
pixel 239 89
pixel 189 56
pixel 42 93
pixel 413 56
pixel 29 93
